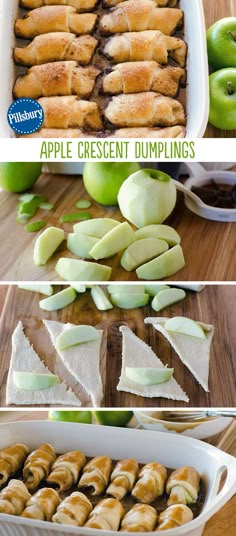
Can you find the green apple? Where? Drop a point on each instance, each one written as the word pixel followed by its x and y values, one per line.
pixel 221 43
pixel 130 289
pixel 19 176
pixel 32 381
pixel 223 99
pixel 148 376
pixel 147 197
pixel 103 180
pixel 84 417
pixel 79 288
pixel 76 270
pixel 96 227
pixel 81 244
pixel 185 326
pixel 100 299
pixel 113 418
pixel 59 300
pixel 163 266
pixel 42 289
pixel 46 244
pixel 163 232
pixel 74 336
pixel 167 297
pixel 153 289
pixel 129 301
pixel 142 251
pixel 115 240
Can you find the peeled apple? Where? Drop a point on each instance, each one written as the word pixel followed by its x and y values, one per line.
pixel 147 197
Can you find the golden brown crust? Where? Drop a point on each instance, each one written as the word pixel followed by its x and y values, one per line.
pixel 79 5
pixel 144 46
pixel 168 132
pixel 66 469
pixel 159 3
pixel 38 465
pixel 144 109
pixel 56 79
pixel 123 478
pixel 96 474
pixel 58 133
pixel 74 510
pixel 42 505
pixel 13 498
pixel 183 486
pixel 140 518
pixel 151 483
pixel 106 515
pixel 70 112
pixel 11 459
pixel 54 19
pixel 135 77
pixel 56 46
pixel 132 16
pixel 174 517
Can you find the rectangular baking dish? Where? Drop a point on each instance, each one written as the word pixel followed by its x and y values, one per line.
pixel 197 89
pixel 118 443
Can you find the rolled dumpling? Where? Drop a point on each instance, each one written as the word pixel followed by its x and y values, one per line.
pixel 151 483
pixel 38 465
pixel 66 469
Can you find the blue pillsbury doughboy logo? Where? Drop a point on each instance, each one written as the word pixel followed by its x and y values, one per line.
pixel 25 116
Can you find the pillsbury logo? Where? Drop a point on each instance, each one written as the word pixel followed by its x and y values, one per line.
pixel 25 116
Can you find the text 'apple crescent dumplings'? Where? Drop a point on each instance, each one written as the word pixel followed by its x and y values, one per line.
pixel 140 518
pixel 106 515
pixel 151 483
pixel 145 46
pixel 55 79
pixel 80 5
pixel 70 112
pixel 132 16
pixel 54 19
pixel 11 460
pixel 74 510
pixel 13 498
pixel 96 474
pixel 174 516
pixel 142 132
pixel 123 478
pixel 66 469
pixel 144 110
pixel 135 77
pixel 183 486
pixel 160 3
pixel 42 505
pixel 56 46
pixel 38 465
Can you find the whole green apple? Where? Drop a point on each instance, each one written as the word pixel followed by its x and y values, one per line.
pixel 221 43
pixel 103 180
pixel 113 418
pixel 19 176
pixel 223 99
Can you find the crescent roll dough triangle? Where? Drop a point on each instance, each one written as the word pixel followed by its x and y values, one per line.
pixel 193 352
pixel 25 359
pixel 136 353
pixel 82 360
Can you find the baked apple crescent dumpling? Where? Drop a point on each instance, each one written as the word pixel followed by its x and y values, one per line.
pixel 143 132
pixel 66 469
pixel 38 465
pixel 11 460
pixel 96 474
pixel 13 498
pixel 123 478
pixel 106 515
pixel 183 486
pixel 140 518
pixel 74 510
pixel 80 5
pixel 70 112
pixel 151 483
pixel 174 516
pixel 159 3
pixel 42 505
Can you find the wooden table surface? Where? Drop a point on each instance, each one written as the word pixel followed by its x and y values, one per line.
pixel 214 305
pixel 224 522
pixel 209 247
pixel 216 10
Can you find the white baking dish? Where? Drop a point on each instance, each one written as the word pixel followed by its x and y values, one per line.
pixel 197 89
pixel 118 443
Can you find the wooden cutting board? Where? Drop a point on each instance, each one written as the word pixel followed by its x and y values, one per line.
pixel 216 305
pixel 209 247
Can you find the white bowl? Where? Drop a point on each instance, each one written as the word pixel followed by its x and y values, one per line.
pixel 197 430
pixel 119 443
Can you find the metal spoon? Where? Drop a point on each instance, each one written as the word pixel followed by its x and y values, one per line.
pixel 182 416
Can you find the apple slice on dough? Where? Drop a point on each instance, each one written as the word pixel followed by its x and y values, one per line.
pixel 32 381
pixel 74 336
pixel 136 353
pixel 59 300
pixel 97 227
pixel 46 244
pixel 82 361
pixel 114 241
pixel 186 326
pixel 148 375
pixel 25 359
pixel 142 251
pixel 164 232
pixel 193 352
pixel 76 270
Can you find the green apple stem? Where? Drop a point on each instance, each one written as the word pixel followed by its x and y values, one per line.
pixel 233 35
pixel 230 88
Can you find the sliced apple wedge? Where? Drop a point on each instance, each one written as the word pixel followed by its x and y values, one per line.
pixel 142 251
pixel 115 240
pixel 100 299
pixel 130 289
pixel 186 326
pixel 46 244
pixel 96 227
pixel 163 232
pixel 80 244
pixel 148 376
pixel 41 289
pixel 59 300
pixel 79 288
pixel 74 336
pixel 164 298
pixel 76 270
pixel 32 381
pixel 153 290
pixel 163 266
pixel 129 301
